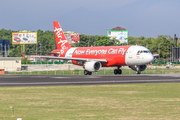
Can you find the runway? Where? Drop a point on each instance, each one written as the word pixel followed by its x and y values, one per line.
pixel 45 80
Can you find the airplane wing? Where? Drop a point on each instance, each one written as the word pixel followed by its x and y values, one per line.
pixel 155 55
pixel 44 52
pixel 67 58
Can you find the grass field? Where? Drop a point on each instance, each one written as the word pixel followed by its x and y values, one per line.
pixel 94 102
pixel 101 72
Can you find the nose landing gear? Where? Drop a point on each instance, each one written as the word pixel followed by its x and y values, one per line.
pixel 138 70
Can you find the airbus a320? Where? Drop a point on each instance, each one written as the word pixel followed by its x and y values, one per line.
pixel 92 59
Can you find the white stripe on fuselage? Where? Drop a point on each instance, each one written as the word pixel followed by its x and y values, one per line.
pixel 70 52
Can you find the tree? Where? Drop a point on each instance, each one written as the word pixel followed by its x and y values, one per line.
pixel 48 43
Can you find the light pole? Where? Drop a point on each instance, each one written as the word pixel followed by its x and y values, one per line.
pixel 94 41
pixel 40 47
pixel 8 50
pixel 159 49
pixel 5 50
pixel 36 48
pixel 1 47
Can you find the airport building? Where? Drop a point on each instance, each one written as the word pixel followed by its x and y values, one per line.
pixel 10 63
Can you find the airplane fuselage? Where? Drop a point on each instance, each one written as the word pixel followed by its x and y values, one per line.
pixel 115 55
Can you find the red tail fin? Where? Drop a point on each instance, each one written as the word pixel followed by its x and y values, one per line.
pixel 61 41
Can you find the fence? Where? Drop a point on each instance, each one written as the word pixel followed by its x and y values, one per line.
pixel 163 63
pixel 45 62
pixel 152 70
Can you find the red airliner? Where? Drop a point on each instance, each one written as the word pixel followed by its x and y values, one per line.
pixel 93 58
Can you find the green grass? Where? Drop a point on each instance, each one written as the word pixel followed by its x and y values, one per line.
pixel 94 102
pixel 101 72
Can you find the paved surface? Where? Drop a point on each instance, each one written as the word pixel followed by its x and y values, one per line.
pixel 43 80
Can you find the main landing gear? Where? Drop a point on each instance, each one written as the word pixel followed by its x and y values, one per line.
pixel 117 71
pixel 87 72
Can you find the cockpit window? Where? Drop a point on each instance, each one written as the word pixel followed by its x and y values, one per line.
pixel 143 51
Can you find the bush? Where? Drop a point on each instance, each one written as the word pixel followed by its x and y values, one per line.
pixel 25 61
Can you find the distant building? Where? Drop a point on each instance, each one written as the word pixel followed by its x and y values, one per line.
pixel 10 63
pixel 72 37
pixel 118 28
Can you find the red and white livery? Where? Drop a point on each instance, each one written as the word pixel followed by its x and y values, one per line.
pixel 93 58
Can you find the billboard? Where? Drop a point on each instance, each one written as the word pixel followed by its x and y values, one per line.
pixel 24 38
pixel 120 35
pixel 72 37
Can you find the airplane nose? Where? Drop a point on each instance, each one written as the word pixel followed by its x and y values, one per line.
pixel 150 58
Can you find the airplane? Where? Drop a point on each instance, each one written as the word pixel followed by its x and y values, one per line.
pixel 92 59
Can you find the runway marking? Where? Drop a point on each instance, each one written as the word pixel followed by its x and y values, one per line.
pixel 77 77
pixel 85 82
pixel 60 77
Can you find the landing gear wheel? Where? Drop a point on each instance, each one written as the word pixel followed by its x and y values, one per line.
pixel 119 71
pixel 86 72
pixel 116 71
pixel 90 73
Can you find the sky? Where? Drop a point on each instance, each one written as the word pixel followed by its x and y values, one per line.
pixel 148 18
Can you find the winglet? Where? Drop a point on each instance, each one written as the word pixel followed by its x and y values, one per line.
pixel 22 55
pixel 155 55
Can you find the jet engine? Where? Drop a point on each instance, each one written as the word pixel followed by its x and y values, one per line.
pixel 141 67
pixel 92 66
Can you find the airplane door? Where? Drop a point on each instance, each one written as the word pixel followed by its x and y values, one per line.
pixel 138 58
pixel 130 54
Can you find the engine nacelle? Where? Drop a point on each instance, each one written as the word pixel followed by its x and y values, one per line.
pixel 92 66
pixel 141 67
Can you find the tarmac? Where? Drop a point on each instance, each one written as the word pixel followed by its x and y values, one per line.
pixel 56 80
